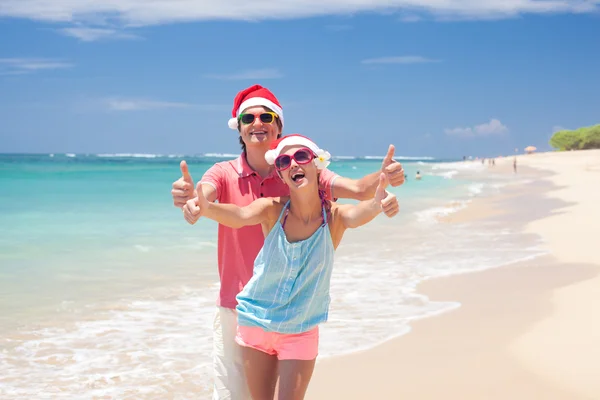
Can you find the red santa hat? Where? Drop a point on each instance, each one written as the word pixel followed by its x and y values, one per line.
pixel 255 95
pixel 321 156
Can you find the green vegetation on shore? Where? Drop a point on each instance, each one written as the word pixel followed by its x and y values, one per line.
pixel 580 139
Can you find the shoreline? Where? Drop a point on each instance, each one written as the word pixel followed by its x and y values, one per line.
pixel 387 313
pixel 428 258
pixel 504 360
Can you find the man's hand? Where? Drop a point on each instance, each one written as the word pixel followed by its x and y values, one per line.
pixel 388 201
pixel 183 188
pixel 392 168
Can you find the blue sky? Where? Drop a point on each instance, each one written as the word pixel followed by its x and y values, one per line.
pixel 435 78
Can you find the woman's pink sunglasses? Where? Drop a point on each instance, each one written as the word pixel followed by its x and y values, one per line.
pixel 302 156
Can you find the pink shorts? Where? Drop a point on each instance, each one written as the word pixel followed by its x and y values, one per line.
pixel 300 346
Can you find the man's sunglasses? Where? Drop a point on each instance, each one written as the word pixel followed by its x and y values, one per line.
pixel 302 156
pixel 265 118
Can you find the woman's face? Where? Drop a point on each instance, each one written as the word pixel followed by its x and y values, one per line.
pixel 302 171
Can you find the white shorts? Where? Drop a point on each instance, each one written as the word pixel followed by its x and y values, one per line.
pixel 228 364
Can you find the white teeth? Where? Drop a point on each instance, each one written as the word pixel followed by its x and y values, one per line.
pixel 297 175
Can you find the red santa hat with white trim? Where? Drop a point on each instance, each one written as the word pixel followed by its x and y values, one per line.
pixel 321 159
pixel 253 96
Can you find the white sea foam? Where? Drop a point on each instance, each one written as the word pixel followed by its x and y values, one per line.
pixel 446 175
pixel 475 189
pixel 344 157
pixel 413 158
pixel 373 157
pixel 433 214
pixel 128 155
pixel 221 155
pixel 140 348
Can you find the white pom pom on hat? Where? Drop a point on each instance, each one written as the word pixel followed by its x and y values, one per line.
pixel 232 123
pixel 253 96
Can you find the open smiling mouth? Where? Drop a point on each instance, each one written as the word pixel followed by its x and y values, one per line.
pixel 296 176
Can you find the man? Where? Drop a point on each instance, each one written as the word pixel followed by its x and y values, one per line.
pixel 259 120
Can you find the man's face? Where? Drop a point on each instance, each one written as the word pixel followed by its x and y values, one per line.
pixel 258 134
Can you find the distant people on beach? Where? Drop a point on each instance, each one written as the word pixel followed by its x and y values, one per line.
pixel 258 118
pixel 515 165
pixel 281 307
pixel 418 176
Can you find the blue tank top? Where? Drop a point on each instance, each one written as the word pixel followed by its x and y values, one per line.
pixel 289 289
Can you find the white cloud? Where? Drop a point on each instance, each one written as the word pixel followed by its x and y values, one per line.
pixel 399 60
pixel 257 74
pixel 140 13
pixel 87 34
pixel 494 127
pixel 15 66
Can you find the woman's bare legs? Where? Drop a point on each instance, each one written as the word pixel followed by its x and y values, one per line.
pixel 261 373
pixel 294 376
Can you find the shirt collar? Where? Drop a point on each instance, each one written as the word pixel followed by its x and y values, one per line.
pixel 244 169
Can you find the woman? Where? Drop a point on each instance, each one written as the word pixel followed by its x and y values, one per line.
pixel 280 308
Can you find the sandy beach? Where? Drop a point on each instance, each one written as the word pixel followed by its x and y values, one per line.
pixel 523 331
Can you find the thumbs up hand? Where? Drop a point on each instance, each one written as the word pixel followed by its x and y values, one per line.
pixel 195 208
pixel 183 188
pixel 392 168
pixel 387 201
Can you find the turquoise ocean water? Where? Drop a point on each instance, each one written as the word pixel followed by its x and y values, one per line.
pixel 106 291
